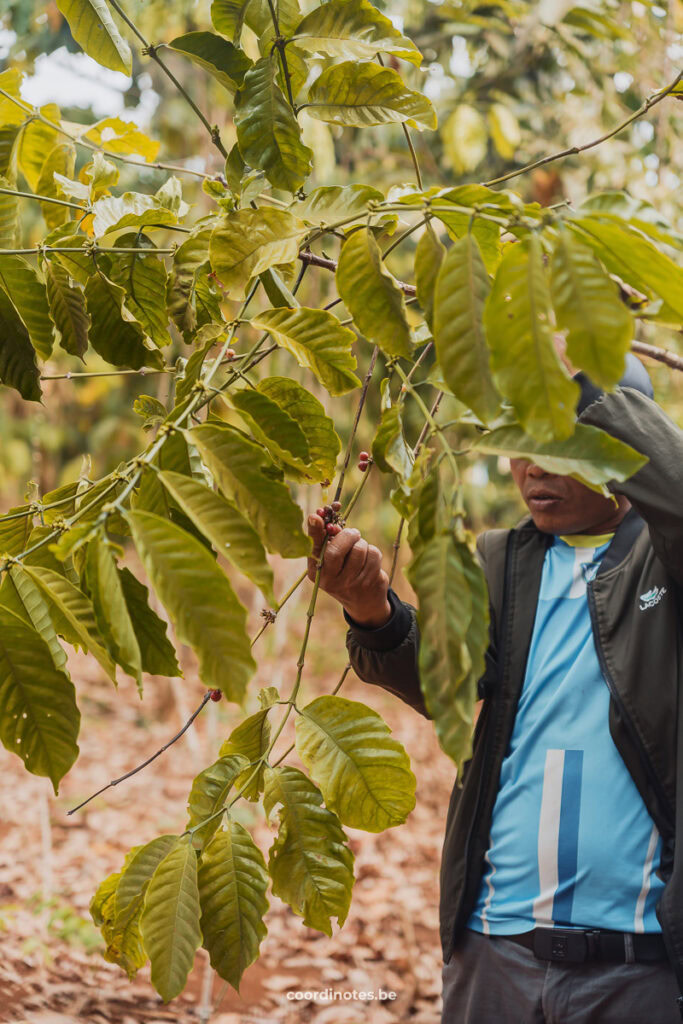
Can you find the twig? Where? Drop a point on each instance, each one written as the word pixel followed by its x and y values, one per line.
pixel 151 51
pixel 662 355
pixel 43 199
pixel 354 428
pixel 575 150
pixel 205 699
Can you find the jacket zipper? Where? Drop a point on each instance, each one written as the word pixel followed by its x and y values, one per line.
pixel 491 732
pixel 647 764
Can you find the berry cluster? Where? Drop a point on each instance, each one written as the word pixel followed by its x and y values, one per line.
pixel 330 517
pixel 364 461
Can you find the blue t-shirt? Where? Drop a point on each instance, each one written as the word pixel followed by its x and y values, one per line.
pixel 571 843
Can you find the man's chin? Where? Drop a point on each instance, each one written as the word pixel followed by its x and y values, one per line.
pixel 547 523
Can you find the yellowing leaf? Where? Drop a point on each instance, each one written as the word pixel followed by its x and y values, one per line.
pixel 95 31
pixel 364 94
pixel 170 920
pixel 317 340
pixel 505 130
pixel 250 241
pixel 232 892
pixel 465 138
pixel 525 365
pixel 371 295
pixel 198 597
pixel 310 862
pixel 124 137
pixel 363 773
pixel 353 28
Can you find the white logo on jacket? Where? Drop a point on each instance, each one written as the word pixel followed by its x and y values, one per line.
pixel 651 597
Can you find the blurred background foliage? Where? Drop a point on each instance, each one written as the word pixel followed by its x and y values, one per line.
pixel 511 81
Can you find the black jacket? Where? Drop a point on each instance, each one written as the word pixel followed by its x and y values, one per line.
pixel 639 645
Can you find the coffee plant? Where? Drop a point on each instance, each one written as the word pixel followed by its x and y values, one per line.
pixel 496 280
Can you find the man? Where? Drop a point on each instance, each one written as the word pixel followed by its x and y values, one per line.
pixel 561 891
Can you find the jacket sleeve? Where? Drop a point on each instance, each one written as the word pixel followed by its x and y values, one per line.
pixel 656 490
pixel 387 656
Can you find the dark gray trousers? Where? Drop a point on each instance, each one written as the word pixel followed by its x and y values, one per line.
pixel 490 980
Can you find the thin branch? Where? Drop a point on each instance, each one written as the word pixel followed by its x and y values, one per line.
pixel 43 199
pixel 575 150
pixel 205 699
pixel 662 355
pixel 142 372
pixel 92 248
pixel 354 428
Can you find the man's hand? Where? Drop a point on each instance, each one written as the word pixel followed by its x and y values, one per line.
pixel 351 573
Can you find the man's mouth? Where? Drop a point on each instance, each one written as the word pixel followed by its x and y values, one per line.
pixel 543 501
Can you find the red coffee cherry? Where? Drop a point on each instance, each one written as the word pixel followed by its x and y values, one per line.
pixel 215 694
pixel 320 512
pixel 332 529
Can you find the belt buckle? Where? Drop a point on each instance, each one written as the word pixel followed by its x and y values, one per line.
pixel 558 946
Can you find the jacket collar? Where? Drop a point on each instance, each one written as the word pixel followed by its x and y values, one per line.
pixel 624 537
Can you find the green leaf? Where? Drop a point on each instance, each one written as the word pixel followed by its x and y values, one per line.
pixel 170 920
pixel 317 340
pixel 124 137
pixel 199 599
pixel 429 255
pixel 242 470
pixel 323 441
pixel 589 454
pixel 227 17
pixel 364 774
pixel 460 295
pixel 67 309
pixel 18 367
pixel 72 614
pixel 448 205
pixel 93 28
pixel 139 870
pixel 143 276
pixel 223 61
pixel 31 606
pixel 15 532
pixel 389 449
pixel 115 334
pixel 250 241
pixel 9 214
pixel 309 862
pixel 353 28
pixel 587 305
pixel 36 141
pixel 209 792
pixel 223 524
pixel 364 94
pixel 268 133
pixel 27 293
pixel 273 427
pixel 525 365
pixel 39 719
pixel 371 295
pixel 111 611
pixel 156 650
pixel 232 891
pixel 188 258
pixel 250 739
pixel 150 409
pixel 61 160
pixel 444 614
pixel 637 261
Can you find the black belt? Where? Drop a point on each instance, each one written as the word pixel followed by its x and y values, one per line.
pixel 576 946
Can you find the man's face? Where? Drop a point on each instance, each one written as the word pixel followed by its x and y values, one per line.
pixel 559 504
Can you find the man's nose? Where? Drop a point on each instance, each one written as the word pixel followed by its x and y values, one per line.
pixel 535 471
